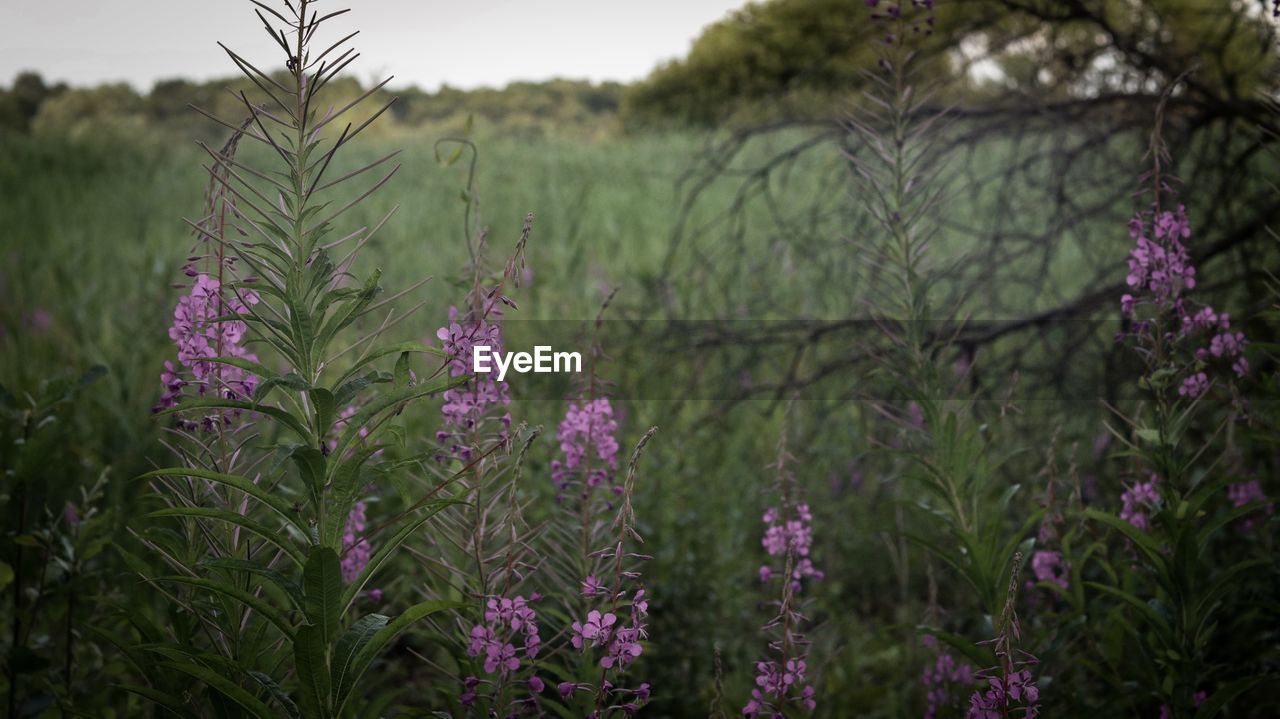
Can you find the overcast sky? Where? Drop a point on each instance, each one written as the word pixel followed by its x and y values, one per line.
pixel 422 42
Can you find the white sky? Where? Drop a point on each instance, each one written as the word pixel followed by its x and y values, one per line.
pixel 422 42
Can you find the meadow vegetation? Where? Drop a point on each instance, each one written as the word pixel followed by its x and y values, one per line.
pixel 958 411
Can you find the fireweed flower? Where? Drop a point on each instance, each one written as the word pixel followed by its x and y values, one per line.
pixel 1049 566
pixel 616 634
pixel 355 548
pixel 615 625
pixel 790 535
pixel 1194 385
pixel 506 641
pixel 1160 273
pixel 1160 266
pixel 1138 500
pixel 586 436
pixel 1013 689
pixel 1243 493
pixel 202 331
pixel 944 680
pixel 592 586
pixel 466 407
pixel 782 676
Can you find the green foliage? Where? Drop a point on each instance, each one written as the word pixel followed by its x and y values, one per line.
pixel 273 600
pixel 54 564
pixel 764 51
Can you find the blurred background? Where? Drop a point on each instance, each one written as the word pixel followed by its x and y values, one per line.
pixel 697 157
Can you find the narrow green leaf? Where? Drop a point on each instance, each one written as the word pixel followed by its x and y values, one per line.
pixel 312 465
pixel 280 506
pixel 286 584
pixel 278 694
pixel 351 642
pixel 284 417
pixel 322 590
pixel 1141 539
pixel 387 547
pixel 262 531
pixel 380 352
pixel 250 600
pixel 351 388
pixel 168 701
pixel 1151 616
pixel 382 402
pixel 224 686
pixel 326 410
pixel 309 656
pixel 374 646
pixel 402 370
pixel 342 491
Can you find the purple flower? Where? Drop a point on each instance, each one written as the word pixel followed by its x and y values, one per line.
pixel 1227 344
pixel 943 680
pixel 586 435
pixel 499 655
pixel 1138 500
pixel 466 407
pixel 595 630
pixel 1194 385
pixel 468 696
pixel 355 548
pixel 1049 566
pixel 1016 688
pixel 1240 366
pixel 202 331
pixel 624 648
pixel 1160 267
pixel 508 635
pixel 792 535
pixel 592 586
pixel 1243 493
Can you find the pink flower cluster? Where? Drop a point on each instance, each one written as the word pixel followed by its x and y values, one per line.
pixel 202 330
pixel 355 548
pixel 1138 500
pixel 1018 688
pixel 942 679
pixel 621 642
pixel 508 634
pixel 465 407
pixel 794 534
pixel 617 632
pixel 1160 270
pixel 1159 266
pixel 1243 493
pixel 1224 345
pixel 586 436
pixel 1049 566
pixel 773 685
pixel 506 621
